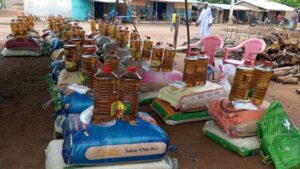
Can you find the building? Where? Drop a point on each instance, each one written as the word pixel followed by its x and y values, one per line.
pixel 265 9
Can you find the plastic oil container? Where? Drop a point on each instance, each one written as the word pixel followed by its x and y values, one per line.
pixel 189 73
pixel 157 54
pixel 14 27
pixel 22 28
pixel 77 42
pixel 242 82
pixel 201 70
pixel 113 31
pixel 135 50
pixel 261 80
pixel 93 25
pixel 147 48
pixel 89 65
pixel 168 60
pixel 71 57
pixel 133 36
pixel 66 36
pixel 106 29
pixel 113 61
pixel 128 92
pixel 75 30
pixel 105 96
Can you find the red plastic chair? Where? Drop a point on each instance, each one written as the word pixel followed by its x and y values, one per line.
pixel 210 46
pixel 252 47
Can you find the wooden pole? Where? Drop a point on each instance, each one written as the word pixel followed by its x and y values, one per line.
pixel 176 31
pixel 187 27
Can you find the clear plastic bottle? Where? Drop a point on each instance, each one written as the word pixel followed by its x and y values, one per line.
pixel 113 61
pixel 81 34
pixel 147 49
pixel 14 28
pixel 75 30
pixel 189 71
pixel 105 96
pixel 242 82
pixel 261 80
pixel 22 28
pixel 113 31
pixel 157 54
pixel 71 57
pixel 89 65
pixel 128 92
pixel 122 39
pixel 101 27
pixel 107 29
pixel 66 36
pixel 77 42
pixel 135 50
pixel 93 25
pixel 201 70
pixel 133 36
pixel 168 60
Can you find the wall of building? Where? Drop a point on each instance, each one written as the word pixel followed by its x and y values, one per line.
pixel 239 35
pixel 79 8
pixel 48 7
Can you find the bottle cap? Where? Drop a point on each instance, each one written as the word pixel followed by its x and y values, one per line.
pixel 112 52
pixel 148 37
pixel 159 43
pixel 131 69
pixel 91 50
pixel 106 69
pixel 267 63
pixel 248 62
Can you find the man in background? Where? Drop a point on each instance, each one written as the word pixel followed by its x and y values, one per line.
pixel 295 18
pixel 174 20
pixel 205 21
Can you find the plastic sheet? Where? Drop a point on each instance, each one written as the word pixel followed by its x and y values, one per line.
pixel 122 142
pixel 66 78
pixel 57 66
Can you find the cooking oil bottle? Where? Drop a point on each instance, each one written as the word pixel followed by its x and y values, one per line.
pixel 107 29
pixel 89 65
pixel 157 54
pixel 101 27
pixel 77 42
pixel 168 60
pixel 22 28
pixel 113 31
pixel 122 39
pixel 189 74
pixel 147 48
pixel 262 77
pixel 71 57
pixel 81 33
pixel 135 50
pixel 133 36
pixel 14 28
pixel 201 70
pixel 105 96
pixel 128 92
pixel 242 82
pixel 66 36
pixel 75 30
pixel 93 25
pixel 113 61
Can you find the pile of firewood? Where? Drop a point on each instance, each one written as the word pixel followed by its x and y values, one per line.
pixel 287 75
pixel 281 51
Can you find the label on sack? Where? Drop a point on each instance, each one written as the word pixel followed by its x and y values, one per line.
pixel 127 150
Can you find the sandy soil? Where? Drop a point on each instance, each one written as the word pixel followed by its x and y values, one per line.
pixel 27 128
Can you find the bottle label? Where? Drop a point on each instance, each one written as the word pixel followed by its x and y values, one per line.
pixel 70 64
pixel 114 108
pixel 155 63
pixel 128 108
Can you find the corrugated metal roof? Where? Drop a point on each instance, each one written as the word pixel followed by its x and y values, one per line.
pixel 266 5
pixel 227 7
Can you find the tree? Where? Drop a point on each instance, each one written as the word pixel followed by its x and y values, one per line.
pixel 292 3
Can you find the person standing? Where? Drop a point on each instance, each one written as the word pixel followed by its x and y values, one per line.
pixel 278 19
pixel 205 21
pixel 295 18
pixel 174 20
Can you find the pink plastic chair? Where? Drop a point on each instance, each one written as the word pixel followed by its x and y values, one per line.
pixel 252 48
pixel 210 46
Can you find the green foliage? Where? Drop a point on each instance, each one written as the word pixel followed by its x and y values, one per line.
pixel 292 3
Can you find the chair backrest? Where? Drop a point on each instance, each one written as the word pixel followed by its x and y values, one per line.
pixel 252 48
pixel 210 46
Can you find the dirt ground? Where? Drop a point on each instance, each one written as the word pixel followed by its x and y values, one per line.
pixel 27 128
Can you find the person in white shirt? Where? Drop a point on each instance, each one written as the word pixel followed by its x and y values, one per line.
pixel 205 21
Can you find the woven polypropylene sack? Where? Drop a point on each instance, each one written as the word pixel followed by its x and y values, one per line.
pixel 280 139
pixel 18 53
pixel 119 143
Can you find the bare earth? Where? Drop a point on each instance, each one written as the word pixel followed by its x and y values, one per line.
pixel 27 128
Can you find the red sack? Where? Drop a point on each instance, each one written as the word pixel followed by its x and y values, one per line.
pixel 23 44
pixel 236 123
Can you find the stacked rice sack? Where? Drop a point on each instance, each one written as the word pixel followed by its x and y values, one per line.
pixel 187 104
pixel 234 128
pixel 24 40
